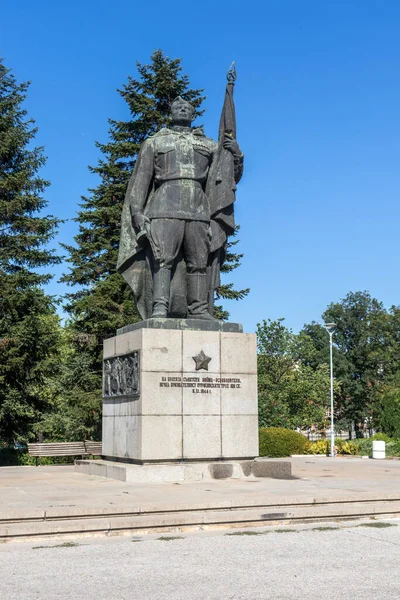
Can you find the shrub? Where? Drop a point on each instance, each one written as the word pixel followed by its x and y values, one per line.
pixel 324 447
pixel 364 446
pixel 10 457
pixel 346 447
pixel 393 448
pixel 318 447
pixel 276 442
pixel 381 437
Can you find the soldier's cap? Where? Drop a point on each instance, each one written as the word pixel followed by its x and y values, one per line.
pixel 180 99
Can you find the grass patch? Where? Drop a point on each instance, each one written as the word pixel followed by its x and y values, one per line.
pixel 324 529
pixel 169 538
pixel 63 545
pixel 377 524
pixel 137 540
pixel 285 531
pixel 247 533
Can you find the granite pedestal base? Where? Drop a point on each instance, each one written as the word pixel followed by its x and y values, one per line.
pixel 186 471
pixel 180 395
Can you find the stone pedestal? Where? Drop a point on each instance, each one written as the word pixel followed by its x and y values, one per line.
pixel 180 394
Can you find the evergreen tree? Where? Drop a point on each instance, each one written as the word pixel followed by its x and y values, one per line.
pixel 104 301
pixel 29 328
pixel 226 291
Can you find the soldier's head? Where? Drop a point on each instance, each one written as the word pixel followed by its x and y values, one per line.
pixel 182 112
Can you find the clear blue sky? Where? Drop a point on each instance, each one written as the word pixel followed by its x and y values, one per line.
pixel 318 108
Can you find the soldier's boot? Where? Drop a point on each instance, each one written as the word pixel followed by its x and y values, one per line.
pixel 197 296
pixel 161 287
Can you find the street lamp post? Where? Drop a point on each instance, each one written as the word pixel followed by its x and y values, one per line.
pixel 330 327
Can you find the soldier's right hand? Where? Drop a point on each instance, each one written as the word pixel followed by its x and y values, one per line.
pixel 140 221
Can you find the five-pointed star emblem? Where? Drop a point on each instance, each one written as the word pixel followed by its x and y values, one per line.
pixel 201 361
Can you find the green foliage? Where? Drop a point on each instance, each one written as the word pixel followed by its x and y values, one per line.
pixel 366 357
pixel 277 442
pixel 11 456
pixel 364 446
pixel 381 437
pixel 291 393
pixel 104 301
pixel 393 448
pixel 351 447
pixel 29 328
pixel 367 337
pixel 318 447
pixel 77 410
pixel 226 291
pixel 346 446
pixel 388 412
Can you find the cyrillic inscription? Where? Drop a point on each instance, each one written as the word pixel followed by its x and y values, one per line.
pixel 201 385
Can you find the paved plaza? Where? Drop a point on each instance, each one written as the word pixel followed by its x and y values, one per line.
pixel 30 490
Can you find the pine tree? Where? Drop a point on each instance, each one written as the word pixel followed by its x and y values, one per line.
pixel 226 291
pixel 29 328
pixel 104 302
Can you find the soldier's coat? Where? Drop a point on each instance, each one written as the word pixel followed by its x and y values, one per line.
pixel 181 174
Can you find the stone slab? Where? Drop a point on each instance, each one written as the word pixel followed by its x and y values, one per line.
pixel 278 469
pixel 185 471
pixel 193 324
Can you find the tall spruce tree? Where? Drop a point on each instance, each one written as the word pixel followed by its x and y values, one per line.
pixel 226 291
pixel 103 301
pixel 29 329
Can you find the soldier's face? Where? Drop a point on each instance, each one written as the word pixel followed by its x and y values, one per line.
pixel 182 113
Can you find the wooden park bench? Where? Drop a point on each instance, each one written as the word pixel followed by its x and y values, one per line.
pixel 93 448
pixel 64 449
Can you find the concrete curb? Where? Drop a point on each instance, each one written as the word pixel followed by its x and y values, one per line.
pixel 60 522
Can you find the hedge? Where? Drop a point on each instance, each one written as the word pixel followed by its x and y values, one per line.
pixel 276 442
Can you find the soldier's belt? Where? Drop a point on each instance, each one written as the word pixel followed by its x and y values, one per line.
pixel 178 182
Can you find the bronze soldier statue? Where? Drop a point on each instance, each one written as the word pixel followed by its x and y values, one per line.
pixel 178 213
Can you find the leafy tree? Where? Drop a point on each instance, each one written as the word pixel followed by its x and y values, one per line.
pixel 366 354
pixel 29 328
pixel 291 393
pixel 388 413
pixel 364 338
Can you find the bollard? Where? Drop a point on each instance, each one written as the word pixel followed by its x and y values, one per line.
pixel 378 449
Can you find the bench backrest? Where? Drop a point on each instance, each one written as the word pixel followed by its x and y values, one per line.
pixel 93 447
pixel 57 449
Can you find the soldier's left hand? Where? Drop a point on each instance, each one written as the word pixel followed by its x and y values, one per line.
pixel 231 144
